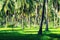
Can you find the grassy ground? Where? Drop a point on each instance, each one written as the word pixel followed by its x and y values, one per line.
pixel 28 34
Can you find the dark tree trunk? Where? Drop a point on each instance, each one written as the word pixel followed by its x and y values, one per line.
pixel 42 18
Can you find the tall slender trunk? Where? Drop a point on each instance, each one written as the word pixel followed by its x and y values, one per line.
pixel 59 21
pixel 54 16
pixel 22 22
pixel 54 19
pixel 46 15
pixel 6 22
pixel 46 25
pixel 57 17
pixel 29 20
pixel 35 23
pixel 13 21
pixel 54 23
pixel 42 18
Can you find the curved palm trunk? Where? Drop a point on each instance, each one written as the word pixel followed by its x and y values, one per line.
pixel 42 18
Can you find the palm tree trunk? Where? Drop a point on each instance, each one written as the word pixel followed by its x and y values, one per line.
pixel 46 15
pixel 29 20
pixel 42 18
pixel 6 21
pixel 35 23
pixel 46 25
pixel 22 22
pixel 57 18
pixel 54 19
pixel 54 16
pixel 59 22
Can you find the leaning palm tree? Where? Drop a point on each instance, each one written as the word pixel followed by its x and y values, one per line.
pixel 42 18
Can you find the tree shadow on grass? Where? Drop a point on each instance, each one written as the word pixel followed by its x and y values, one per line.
pixel 14 35
pixel 52 35
pixel 4 35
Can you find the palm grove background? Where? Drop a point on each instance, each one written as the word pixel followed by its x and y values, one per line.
pixel 30 14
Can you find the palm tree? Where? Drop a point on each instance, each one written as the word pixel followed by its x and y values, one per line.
pixel 46 15
pixel 42 18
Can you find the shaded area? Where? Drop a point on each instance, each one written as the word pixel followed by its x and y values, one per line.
pixel 54 36
pixel 14 35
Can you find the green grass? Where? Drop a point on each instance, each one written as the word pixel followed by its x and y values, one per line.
pixel 28 34
pixel 14 35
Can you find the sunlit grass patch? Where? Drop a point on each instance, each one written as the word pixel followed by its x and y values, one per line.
pixel 9 29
